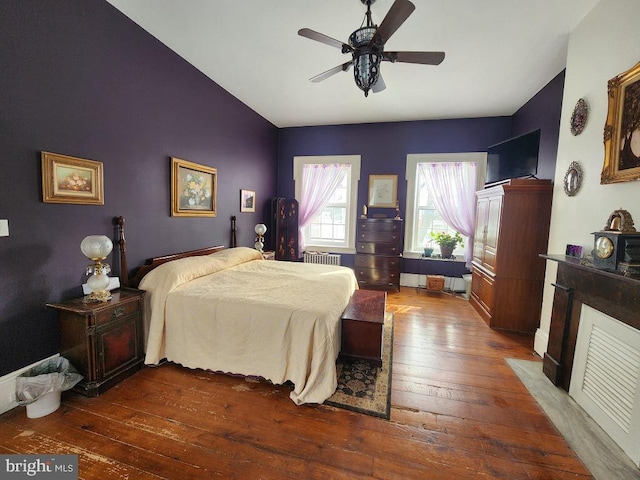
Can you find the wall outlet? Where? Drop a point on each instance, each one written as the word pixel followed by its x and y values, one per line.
pixel 4 228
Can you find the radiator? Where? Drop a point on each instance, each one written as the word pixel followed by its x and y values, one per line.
pixel 323 258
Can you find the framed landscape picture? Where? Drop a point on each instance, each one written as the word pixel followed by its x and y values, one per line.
pixel 68 179
pixel 622 129
pixel 193 189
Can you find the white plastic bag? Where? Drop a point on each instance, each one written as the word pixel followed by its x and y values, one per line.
pixel 55 374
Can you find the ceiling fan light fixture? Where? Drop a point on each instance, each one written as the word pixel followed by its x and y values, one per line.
pixel 366 58
pixel 366 46
pixel 366 70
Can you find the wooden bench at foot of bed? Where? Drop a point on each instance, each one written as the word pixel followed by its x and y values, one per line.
pixel 362 326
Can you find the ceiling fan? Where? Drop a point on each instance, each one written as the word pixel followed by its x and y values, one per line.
pixel 366 46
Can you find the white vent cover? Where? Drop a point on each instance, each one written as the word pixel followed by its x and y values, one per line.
pixel 606 377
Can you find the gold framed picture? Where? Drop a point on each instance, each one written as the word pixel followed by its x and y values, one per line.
pixel 193 189
pixel 247 201
pixel 622 129
pixel 68 179
pixel 383 191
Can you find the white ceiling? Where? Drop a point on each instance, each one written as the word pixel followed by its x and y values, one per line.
pixel 499 53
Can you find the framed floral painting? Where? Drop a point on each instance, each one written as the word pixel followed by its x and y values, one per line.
pixel 68 179
pixel 193 189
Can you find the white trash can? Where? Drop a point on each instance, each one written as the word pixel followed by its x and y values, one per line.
pixel 467 283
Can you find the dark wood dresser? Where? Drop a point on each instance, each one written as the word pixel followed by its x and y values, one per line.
pixel 103 341
pixel 379 253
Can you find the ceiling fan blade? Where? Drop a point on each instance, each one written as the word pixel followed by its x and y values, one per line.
pixel 425 58
pixel 324 75
pixel 398 13
pixel 322 38
pixel 379 85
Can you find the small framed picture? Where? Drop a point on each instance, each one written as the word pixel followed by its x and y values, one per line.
pixel 383 191
pixel 71 180
pixel 247 201
pixel 193 189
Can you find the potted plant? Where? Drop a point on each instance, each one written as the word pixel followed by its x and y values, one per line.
pixel 446 242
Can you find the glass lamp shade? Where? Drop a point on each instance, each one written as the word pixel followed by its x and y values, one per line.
pixel 96 247
pixel 260 229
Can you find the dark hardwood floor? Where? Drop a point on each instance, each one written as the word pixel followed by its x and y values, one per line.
pixel 459 412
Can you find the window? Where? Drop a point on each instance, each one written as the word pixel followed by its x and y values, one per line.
pixel 331 201
pixel 329 227
pixel 422 216
pixel 427 219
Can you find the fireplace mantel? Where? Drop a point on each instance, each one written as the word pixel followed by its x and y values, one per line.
pixel 576 284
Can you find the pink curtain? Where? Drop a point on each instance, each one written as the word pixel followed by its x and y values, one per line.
pixel 318 183
pixel 455 187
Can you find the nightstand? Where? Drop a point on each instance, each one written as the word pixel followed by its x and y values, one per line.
pixel 102 340
pixel 269 255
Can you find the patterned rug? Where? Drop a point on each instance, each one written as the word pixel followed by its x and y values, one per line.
pixel 363 387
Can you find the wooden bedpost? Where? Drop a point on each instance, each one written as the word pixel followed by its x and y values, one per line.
pixel 122 243
pixel 234 239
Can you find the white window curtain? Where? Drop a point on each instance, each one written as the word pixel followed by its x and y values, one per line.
pixel 318 183
pixel 455 201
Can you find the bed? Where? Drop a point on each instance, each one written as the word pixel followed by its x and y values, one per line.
pixel 229 310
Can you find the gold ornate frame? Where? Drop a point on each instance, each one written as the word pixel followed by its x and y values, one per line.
pixel 623 121
pixel 193 189
pixel 71 180
pixel 383 191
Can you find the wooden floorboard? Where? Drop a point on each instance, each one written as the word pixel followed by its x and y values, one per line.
pixel 458 411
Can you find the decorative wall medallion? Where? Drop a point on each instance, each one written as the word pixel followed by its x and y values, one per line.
pixel 579 117
pixel 573 179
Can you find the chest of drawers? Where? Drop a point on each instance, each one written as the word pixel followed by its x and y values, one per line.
pixel 378 253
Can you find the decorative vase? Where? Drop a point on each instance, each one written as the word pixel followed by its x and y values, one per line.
pixel 428 251
pixel 446 251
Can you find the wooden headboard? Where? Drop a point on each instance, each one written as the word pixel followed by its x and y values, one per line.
pixel 150 263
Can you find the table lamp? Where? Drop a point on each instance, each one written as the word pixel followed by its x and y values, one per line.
pixel 260 230
pixel 97 248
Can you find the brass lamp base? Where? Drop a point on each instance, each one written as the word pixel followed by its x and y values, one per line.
pixel 96 297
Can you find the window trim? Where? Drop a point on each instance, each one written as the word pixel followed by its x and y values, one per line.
pixel 354 161
pixel 480 158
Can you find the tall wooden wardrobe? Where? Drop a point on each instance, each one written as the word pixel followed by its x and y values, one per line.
pixel 512 230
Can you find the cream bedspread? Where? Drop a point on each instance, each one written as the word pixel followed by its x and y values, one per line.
pixel 236 313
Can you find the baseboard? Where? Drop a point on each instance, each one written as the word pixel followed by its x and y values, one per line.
pixel 540 342
pixel 8 386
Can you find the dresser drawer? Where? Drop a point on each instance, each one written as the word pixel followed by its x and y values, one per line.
pixel 378 261
pixel 378 248
pixel 117 311
pixel 377 276
pixel 380 225
pixel 379 237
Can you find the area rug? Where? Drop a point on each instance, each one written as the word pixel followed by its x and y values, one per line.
pixel 363 387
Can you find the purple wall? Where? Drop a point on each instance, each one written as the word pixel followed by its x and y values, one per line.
pixel 543 112
pixel 79 78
